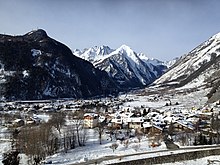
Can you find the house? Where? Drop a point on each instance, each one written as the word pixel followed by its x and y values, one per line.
pixel 183 126
pixel 90 120
pixel 121 119
pixel 150 128
pixel 33 120
pixel 146 126
pixel 135 122
pixel 155 130
pixel 117 122
pixel 108 117
pixel 18 123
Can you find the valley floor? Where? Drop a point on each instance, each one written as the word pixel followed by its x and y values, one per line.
pixel 93 151
pixel 187 100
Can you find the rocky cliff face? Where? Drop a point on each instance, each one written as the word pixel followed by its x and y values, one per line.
pixel 35 66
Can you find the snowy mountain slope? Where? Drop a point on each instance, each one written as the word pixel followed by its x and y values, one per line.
pixel 198 67
pixel 152 63
pixel 170 63
pixel 93 54
pixel 126 67
pixel 35 66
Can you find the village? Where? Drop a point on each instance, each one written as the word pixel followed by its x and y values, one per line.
pixel 127 117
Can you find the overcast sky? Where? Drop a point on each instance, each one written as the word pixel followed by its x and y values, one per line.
pixel 162 29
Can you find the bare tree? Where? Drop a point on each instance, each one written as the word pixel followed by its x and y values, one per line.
pixel 58 120
pixel 79 127
pixel 36 142
pixel 183 139
pixel 71 136
pixel 215 126
pixel 30 140
pixel 171 129
pixel 83 135
pixel 139 135
pixel 126 143
pixel 114 146
pixel 100 129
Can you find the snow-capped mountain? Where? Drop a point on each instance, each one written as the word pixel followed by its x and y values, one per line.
pixel 198 67
pixel 126 67
pixel 93 54
pixel 170 63
pixel 35 66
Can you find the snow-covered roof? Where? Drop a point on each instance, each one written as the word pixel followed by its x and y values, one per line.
pixel 158 127
pixel 90 114
pixel 147 125
pixel 186 124
pixel 101 118
pixel 17 120
pixel 136 120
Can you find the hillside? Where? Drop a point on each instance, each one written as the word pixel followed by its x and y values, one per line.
pixel 200 67
pixel 35 66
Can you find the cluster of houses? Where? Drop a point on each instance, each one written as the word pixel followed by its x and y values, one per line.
pixel 148 120
pixel 152 121
pixel 31 120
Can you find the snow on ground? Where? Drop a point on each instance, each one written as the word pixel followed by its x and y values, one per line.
pixel 36 52
pixel 4 147
pixel 186 100
pixel 93 150
pixel 44 117
pixel 142 100
pixel 102 154
pixel 5 144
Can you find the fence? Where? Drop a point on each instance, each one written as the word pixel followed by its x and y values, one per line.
pixel 192 155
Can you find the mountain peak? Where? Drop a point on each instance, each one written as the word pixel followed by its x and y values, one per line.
pixel 216 36
pixel 38 34
pixel 103 50
pixel 104 47
pixel 124 49
pixel 124 65
pixel 143 56
pixel 93 54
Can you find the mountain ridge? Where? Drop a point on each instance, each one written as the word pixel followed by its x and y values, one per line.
pixel 125 66
pixel 200 67
pixel 35 66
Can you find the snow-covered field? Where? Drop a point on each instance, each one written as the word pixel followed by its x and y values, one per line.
pixel 94 151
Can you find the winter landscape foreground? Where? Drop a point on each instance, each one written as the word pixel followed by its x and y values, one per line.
pixel 184 109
